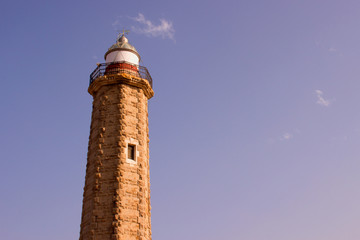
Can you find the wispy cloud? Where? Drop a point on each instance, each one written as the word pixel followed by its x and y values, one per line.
pixel 331 49
pixel 115 24
pixel 286 136
pixel 121 23
pixel 321 100
pixel 164 30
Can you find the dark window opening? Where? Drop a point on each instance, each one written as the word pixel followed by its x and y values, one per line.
pixel 131 152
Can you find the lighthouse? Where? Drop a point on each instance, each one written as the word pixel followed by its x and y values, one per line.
pixel 116 200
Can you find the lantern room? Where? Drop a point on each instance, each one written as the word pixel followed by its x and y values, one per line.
pixel 122 51
pixel 121 58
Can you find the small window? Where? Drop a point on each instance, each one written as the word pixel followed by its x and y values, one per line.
pixel 131 152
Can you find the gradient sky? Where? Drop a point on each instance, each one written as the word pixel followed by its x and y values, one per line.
pixel 254 126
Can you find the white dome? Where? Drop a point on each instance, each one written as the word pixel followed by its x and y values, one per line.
pixel 122 50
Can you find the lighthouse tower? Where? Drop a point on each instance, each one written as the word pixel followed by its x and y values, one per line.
pixel 116 201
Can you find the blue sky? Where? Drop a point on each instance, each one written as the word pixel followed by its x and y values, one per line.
pixel 254 126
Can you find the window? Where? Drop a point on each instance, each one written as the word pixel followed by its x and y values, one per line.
pixel 131 152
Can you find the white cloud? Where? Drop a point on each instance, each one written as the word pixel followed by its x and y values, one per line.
pixel 164 30
pixel 287 136
pixel 321 100
pixel 116 23
pixel 332 49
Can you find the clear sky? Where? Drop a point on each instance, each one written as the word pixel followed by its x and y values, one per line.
pixel 254 126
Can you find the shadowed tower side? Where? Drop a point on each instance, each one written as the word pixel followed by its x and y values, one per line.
pixel 116 201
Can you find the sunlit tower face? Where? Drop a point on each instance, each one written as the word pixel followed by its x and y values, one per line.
pixel 116 201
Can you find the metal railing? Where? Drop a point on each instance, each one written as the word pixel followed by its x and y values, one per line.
pixel 120 67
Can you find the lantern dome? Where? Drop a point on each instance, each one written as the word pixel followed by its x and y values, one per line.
pixel 122 50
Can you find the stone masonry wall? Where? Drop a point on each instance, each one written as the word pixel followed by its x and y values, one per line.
pixel 116 203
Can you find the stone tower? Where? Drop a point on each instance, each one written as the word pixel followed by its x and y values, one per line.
pixel 116 201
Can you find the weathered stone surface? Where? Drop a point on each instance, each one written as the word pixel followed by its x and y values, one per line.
pixel 116 203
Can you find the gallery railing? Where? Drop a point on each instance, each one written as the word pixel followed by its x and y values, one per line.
pixel 120 67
